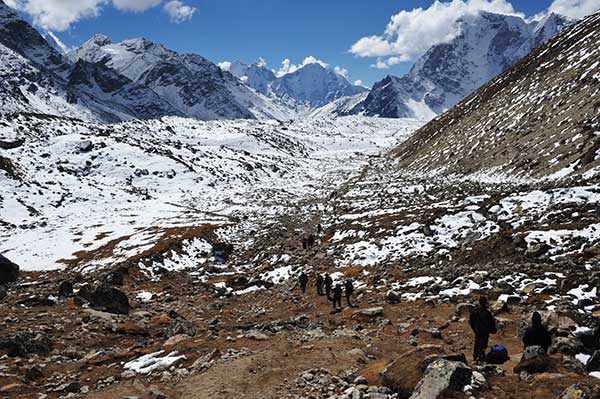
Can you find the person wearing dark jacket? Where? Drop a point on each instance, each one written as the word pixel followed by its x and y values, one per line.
pixel 537 334
pixel 337 298
pixel 349 290
pixel 303 280
pixel 319 284
pixel 483 324
pixel 328 284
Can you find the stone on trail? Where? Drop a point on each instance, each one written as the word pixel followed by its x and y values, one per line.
pixel 65 289
pixel 533 351
pixel 9 271
pixel 404 373
pixel 441 378
pixel 85 146
pixel 370 312
pixel 24 343
pixel 537 364
pixel 110 299
pixel 566 345
pixel 581 391
pixel 181 326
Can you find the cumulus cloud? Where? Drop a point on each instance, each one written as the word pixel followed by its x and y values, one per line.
pixel 574 8
pixel 410 33
pixel 135 5
pixel 341 71
pixel 179 12
pixel 225 65
pixel 59 15
pixel 288 67
pixel 358 82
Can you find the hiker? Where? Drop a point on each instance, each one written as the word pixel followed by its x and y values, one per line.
pixel 319 229
pixel 349 290
pixel 319 284
pixel 337 297
pixel 328 284
pixel 303 281
pixel 536 334
pixel 483 324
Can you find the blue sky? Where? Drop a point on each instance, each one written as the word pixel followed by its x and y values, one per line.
pixel 227 30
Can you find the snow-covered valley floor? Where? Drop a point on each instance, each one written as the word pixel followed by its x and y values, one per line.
pixel 75 187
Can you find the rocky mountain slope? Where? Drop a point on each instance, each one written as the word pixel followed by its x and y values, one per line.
pixel 487 45
pixel 146 81
pixel 191 84
pixel 308 88
pixel 541 118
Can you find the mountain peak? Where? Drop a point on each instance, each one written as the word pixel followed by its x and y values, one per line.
pixel 99 39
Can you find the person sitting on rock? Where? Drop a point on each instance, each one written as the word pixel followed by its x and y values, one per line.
pixel 303 281
pixel 349 290
pixel 537 334
pixel 337 298
pixel 328 284
pixel 319 284
pixel 483 324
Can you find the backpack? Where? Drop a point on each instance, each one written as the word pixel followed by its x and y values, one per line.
pixel 497 354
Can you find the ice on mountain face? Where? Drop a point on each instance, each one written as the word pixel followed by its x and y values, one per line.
pixel 487 45
pixel 192 85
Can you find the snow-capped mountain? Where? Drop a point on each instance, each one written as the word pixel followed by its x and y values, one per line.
pixel 309 87
pixel 138 80
pixel 190 83
pixel 255 75
pixel 313 86
pixel 537 119
pixel 487 44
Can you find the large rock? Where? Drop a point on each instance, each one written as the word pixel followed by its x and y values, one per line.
pixel 24 343
pixel 85 146
pixel 181 326
pixel 581 391
pixel 9 271
pixel 537 364
pixel 110 300
pixel 441 378
pixel 533 351
pixel 404 373
pixel 370 312
pixel 566 345
pixel 65 289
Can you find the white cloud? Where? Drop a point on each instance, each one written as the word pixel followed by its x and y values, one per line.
pixel 288 67
pixel 574 8
pixel 179 12
pixel 135 5
pixel 59 15
pixel 225 65
pixel 410 33
pixel 358 82
pixel 341 71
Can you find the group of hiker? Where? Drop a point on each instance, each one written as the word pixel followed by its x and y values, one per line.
pixel 325 287
pixel 483 325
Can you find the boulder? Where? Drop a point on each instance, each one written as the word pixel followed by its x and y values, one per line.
pixel 463 309
pixel 537 364
pixel 533 351
pixel 85 146
pixel 581 391
pixel 12 144
pixel 24 343
pixel 181 326
pixel 110 300
pixel 9 271
pixel 393 297
pixel 115 277
pixel 370 312
pixel 65 289
pixel 452 357
pixel 3 293
pixel 566 345
pixel 537 250
pixel 441 378
pixel 404 373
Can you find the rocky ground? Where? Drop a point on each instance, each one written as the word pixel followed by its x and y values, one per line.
pixel 418 250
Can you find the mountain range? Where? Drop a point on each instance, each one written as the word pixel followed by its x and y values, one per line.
pixel 486 45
